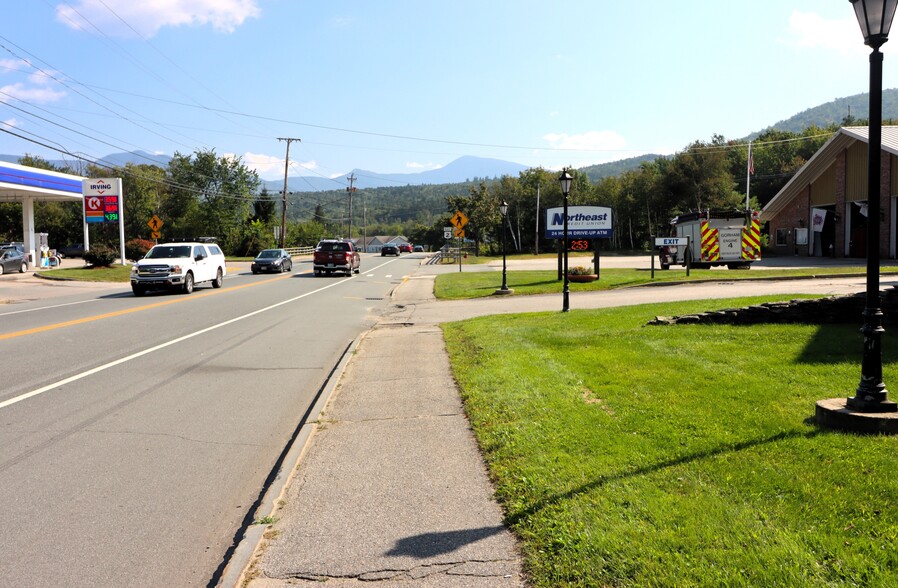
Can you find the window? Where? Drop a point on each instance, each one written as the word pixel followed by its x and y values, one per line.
pixel 782 237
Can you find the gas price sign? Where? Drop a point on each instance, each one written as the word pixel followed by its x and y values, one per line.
pixel 102 200
pixel 110 208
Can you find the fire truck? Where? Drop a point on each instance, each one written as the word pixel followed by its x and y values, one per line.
pixel 716 237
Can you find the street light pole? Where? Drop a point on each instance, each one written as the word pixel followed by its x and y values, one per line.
pixel 565 180
pixel 875 18
pixel 503 208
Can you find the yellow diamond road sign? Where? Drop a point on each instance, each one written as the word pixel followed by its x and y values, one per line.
pixel 459 219
pixel 155 223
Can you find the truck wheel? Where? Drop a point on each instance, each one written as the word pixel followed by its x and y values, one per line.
pixel 138 290
pixel 188 283
pixel 216 283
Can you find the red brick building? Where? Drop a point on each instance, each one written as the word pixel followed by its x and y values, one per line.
pixel 822 210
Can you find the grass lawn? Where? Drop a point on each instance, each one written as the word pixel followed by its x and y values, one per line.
pixel 470 284
pixel 115 273
pixel 628 455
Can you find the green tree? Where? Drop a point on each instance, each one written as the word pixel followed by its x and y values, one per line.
pixel 211 195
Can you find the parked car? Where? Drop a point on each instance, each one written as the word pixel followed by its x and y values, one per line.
pixel 418 248
pixel 272 260
pixel 336 255
pixel 178 266
pixel 73 250
pixel 14 244
pixel 389 250
pixel 405 247
pixel 12 260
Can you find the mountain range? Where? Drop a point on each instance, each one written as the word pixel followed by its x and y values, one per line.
pixel 469 168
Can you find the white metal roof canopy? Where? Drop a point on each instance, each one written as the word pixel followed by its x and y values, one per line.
pixel 25 185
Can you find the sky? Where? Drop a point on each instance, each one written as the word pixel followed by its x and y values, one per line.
pixel 404 86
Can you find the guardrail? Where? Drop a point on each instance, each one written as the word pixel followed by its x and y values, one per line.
pixel 300 250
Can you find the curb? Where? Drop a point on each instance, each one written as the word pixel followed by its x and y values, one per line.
pixel 241 559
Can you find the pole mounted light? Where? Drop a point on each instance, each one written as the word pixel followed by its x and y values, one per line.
pixel 565 180
pixel 875 18
pixel 503 209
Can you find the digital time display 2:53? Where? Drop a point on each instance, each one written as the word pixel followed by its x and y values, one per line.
pixel 579 244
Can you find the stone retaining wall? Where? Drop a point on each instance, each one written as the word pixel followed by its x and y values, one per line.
pixel 835 309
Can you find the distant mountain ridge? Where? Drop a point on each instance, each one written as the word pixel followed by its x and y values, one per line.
pixel 836 112
pixel 463 169
pixel 470 168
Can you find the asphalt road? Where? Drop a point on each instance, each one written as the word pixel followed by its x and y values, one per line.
pixel 136 434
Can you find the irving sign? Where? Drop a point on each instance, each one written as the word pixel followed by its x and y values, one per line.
pixel 583 222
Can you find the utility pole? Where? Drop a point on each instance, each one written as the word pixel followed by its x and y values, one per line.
pixel 351 189
pixel 284 200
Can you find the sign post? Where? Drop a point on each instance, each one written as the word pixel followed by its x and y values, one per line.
pixel 102 199
pixel 459 220
pixel 671 242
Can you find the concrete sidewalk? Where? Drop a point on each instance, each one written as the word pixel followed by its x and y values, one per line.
pixel 392 488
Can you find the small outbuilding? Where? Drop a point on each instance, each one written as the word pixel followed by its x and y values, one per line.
pixel 822 210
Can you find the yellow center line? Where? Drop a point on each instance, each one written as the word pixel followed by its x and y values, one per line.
pixel 89 319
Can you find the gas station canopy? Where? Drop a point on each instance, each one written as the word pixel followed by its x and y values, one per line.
pixel 25 185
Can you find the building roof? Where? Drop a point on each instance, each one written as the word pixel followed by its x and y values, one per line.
pixel 844 138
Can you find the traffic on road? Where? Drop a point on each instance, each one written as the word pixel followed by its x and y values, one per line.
pixel 139 433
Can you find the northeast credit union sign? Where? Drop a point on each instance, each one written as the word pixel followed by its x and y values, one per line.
pixel 583 222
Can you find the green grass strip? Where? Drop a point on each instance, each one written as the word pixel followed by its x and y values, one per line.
pixel 629 455
pixel 477 284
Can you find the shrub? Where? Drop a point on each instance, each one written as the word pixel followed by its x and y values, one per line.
pixel 101 256
pixel 136 248
pixel 579 270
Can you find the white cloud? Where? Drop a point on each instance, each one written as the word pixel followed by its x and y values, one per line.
pixel 39 95
pixel 589 141
pixel 422 166
pixel 11 122
pixel 148 16
pixel 270 167
pixel 808 30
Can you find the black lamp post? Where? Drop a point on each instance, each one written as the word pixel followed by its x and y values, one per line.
pixel 875 18
pixel 565 180
pixel 503 208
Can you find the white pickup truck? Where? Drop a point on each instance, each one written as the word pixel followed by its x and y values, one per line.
pixel 178 266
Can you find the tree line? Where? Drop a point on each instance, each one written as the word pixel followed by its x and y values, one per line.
pixel 207 195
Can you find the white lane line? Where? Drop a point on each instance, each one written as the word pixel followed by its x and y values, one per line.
pixel 48 307
pixel 134 356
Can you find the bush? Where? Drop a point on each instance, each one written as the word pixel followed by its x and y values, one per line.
pixel 101 256
pixel 136 248
pixel 579 270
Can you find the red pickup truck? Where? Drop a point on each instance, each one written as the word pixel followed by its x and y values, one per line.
pixel 336 255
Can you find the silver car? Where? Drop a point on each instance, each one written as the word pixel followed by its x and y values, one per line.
pixel 12 260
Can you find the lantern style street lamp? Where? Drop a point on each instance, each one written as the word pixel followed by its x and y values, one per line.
pixel 875 18
pixel 503 208
pixel 565 180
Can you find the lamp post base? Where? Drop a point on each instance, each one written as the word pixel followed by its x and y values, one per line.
pixel 835 413
pixel 503 291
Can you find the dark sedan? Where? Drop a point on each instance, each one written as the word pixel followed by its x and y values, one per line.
pixel 272 260
pixel 389 250
pixel 12 260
